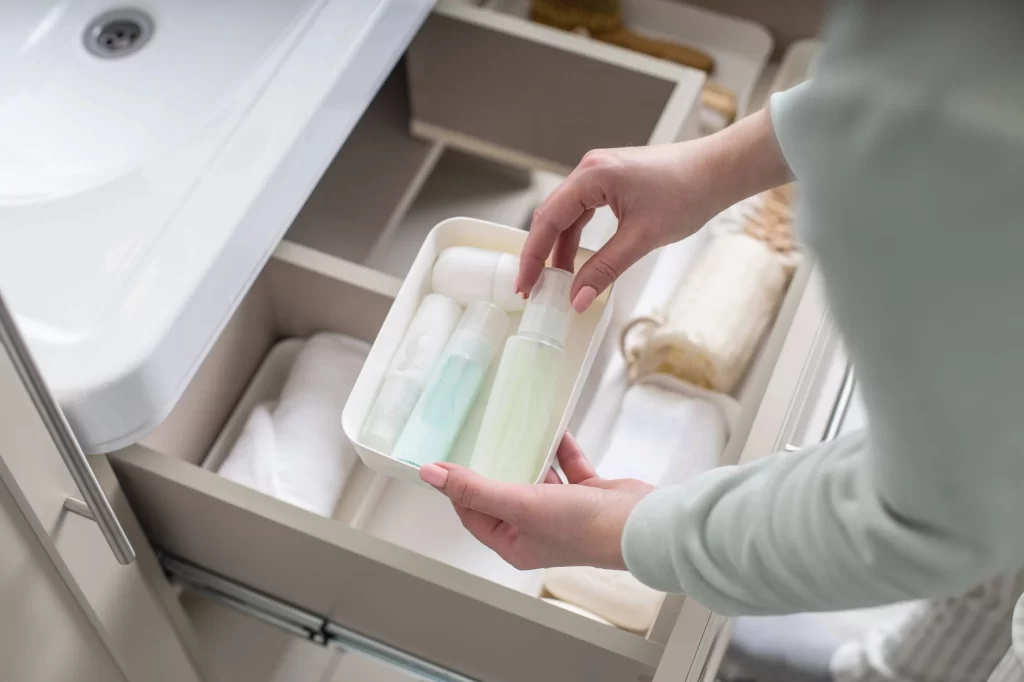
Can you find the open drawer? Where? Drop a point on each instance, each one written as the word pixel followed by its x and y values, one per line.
pixel 377 580
pixel 394 564
pixel 497 85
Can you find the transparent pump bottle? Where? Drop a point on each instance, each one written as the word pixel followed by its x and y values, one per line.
pixel 514 438
pixel 452 387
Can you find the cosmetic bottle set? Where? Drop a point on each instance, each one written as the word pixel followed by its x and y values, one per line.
pixel 438 373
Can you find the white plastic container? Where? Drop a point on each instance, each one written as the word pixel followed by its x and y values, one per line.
pixel 585 336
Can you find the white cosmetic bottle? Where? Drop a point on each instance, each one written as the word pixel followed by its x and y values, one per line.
pixel 514 437
pixel 468 274
pixel 406 376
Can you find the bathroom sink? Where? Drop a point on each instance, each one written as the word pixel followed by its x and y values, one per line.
pixel 151 158
pixel 73 118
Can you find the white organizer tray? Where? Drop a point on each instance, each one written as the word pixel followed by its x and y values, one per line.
pixel 581 347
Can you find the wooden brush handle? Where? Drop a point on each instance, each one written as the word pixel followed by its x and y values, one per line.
pixel 719 99
pixel 572 15
pixel 663 49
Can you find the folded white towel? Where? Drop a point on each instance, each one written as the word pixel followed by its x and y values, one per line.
pixel 295 450
pixel 663 437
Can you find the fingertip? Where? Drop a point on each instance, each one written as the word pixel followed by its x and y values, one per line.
pixel 433 475
pixel 584 298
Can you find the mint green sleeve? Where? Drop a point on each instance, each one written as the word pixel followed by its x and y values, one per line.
pixel 912 212
pixel 804 531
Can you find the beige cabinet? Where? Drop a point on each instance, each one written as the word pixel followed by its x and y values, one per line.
pixel 45 636
pixel 123 601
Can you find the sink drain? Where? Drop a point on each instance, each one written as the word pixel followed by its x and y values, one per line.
pixel 118 33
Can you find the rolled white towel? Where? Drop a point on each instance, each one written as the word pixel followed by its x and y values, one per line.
pixel 253 458
pixel 663 437
pixel 297 451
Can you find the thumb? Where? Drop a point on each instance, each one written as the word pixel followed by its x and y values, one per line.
pixel 504 501
pixel 625 248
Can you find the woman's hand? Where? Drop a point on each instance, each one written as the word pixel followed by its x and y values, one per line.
pixel 537 526
pixel 659 194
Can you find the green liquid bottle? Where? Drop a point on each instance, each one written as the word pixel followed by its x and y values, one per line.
pixel 452 386
pixel 515 437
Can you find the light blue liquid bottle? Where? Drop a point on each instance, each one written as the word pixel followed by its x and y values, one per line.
pixel 452 387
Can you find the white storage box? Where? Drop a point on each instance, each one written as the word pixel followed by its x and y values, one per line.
pixel 581 346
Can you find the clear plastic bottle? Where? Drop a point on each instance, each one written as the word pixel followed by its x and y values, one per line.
pixel 453 386
pixel 421 346
pixel 515 438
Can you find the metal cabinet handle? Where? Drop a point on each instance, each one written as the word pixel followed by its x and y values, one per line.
pixel 837 417
pixel 63 438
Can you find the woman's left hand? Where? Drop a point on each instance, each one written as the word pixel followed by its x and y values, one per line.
pixel 552 524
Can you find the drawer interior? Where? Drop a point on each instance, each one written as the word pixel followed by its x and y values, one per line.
pixel 500 86
pixel 405 540
pixel 389 546
pixel 385 189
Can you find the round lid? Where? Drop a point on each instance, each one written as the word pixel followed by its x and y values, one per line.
pixel 548 313
pixel 469 274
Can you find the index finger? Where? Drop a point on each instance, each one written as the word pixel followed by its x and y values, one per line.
pixel 578 193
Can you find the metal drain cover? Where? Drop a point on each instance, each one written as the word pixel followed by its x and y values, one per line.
pixel 118 33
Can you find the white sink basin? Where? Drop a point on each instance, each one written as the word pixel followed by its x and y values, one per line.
pixel 140 195
pixel 70 121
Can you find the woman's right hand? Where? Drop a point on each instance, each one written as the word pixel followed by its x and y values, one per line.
pixel 653 191
pixel 660 194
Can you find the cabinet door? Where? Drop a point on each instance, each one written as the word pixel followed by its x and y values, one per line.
pixel 125 601
pixel 44 634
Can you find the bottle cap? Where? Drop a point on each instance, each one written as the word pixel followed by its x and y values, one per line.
pixel 480 332
pixel 548 313
pixel 503 290
pixel 468 274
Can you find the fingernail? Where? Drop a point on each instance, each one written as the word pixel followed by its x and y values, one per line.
pixel 434 475
pixel 584 298
pixel 515 284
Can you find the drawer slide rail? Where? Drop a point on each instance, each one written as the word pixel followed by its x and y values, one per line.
pixel 299 622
